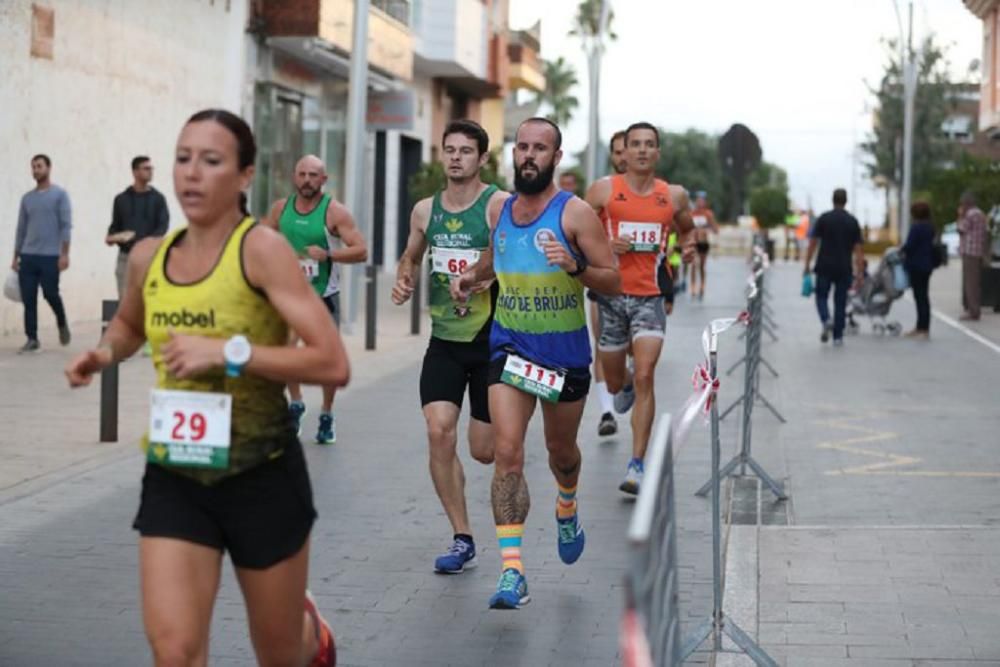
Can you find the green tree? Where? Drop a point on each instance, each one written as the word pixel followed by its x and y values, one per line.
pixel 690 159
pixel 979 175
pixel 560 80
pixel 884 147
pixel 769 205
pixel 588 20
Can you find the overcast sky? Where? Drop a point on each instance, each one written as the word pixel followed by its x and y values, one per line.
pixel 793 71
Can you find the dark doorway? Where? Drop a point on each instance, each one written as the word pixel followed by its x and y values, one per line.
pixel 378 210
pixel 409 164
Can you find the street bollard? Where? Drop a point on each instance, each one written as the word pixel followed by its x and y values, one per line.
pixel 109 382
pixel 415 309
pixel 370 305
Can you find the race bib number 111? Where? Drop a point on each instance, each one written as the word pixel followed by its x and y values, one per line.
pixel 529 377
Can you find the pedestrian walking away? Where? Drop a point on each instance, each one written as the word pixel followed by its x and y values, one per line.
pixel 137 213
pixel 837 235
pixel 545 247
pixel 640 213
pixel 323 234
pixel 41 250
pixel 704 224
pixel 973 247
pixel 224 470
pixel 607 425
pixel 454 223
pixel 919 261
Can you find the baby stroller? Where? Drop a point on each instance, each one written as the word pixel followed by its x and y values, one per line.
pixel 877 292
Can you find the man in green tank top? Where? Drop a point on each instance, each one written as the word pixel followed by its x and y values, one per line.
pixel 315 224
pixel 454 224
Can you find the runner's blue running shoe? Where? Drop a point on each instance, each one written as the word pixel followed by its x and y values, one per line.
pixel 461 555
pixel 571 539
pixel 296 410
pixel 624 399
pixel 327 432
pixel 512 591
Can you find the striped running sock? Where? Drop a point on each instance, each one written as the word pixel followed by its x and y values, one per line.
pixel 566 502
pixel 509 537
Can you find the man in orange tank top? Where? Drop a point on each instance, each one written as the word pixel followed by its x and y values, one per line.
pixel 640 211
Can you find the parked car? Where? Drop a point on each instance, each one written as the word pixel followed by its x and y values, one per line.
pixel 949 237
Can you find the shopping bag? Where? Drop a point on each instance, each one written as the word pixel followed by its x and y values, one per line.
pixel 807 285
pixel 900 278
pixel 12 288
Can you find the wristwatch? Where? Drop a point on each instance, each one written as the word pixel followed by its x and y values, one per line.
pixel 581 266
pixel 236 352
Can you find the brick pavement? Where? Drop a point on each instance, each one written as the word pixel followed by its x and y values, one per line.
pixel 67 555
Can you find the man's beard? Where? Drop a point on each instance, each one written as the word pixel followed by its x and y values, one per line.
pixel 533 186
pixel 307 191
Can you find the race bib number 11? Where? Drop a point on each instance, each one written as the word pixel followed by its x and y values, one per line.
pixel 189 428
pixel 310 267
pixel 529 377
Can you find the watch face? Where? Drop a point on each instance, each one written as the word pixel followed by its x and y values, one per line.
pixel 237 350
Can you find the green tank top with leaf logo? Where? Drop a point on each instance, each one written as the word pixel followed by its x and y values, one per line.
pixel 455 240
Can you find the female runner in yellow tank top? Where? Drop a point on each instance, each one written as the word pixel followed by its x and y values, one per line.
pixel 216 300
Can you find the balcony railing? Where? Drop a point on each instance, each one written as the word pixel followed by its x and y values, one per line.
pixel 397 9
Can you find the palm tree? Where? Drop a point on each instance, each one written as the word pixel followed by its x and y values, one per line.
pixel 593 25
pixel 560 79
pixel 588 21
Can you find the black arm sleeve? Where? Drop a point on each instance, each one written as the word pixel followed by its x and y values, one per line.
pixel 116 216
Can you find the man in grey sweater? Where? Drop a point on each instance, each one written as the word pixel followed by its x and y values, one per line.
pixel 41 250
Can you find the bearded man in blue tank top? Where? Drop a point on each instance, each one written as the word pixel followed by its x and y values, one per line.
pixel 546 245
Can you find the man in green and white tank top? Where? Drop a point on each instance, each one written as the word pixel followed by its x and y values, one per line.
pixel 454 225
pixel 323 234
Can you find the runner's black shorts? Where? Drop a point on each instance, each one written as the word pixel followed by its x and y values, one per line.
pixel 450 367
pixel 261 516
pixel 576 386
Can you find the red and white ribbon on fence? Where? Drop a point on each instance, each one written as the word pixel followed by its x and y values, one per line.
pixel 705 386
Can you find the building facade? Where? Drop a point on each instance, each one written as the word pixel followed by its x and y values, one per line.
pixel 988 12
pixel 93 84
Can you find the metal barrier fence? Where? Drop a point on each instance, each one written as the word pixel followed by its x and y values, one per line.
pixel 718 623
pixel 752 361
pixel 651 628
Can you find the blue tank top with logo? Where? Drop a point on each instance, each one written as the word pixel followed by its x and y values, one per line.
pixel 540 310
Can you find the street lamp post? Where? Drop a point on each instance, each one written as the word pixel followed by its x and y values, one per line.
pixel 909 70
pixel 357 138
pixel 594 69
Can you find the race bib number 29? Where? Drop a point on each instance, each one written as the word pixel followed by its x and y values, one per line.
pixel 189 428
pixel 529 377
pixel 646 236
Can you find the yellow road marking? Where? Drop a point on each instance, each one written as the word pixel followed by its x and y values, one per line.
pixel 886 462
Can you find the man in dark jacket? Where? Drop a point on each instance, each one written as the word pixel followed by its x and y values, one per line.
pixel 838 236
pixel 139 212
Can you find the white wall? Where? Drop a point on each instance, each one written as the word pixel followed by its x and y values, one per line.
pixel 124 77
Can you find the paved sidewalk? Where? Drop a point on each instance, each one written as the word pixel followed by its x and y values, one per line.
pixel 889 555
pixel 68 558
